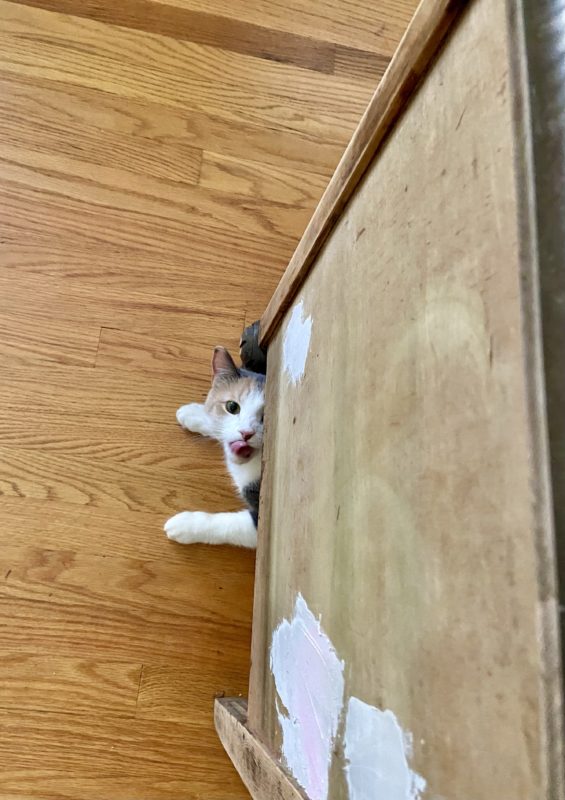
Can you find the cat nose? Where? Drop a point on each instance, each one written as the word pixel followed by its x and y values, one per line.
pixel 246 435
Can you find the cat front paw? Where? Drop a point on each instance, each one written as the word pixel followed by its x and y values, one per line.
pixel 194 418
pixel 187 527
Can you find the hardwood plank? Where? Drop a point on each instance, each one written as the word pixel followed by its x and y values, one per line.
pixel 24 341
pixel 263 182
pixel 79 686
pixel 36 43
pixel 33 212
pixel 144 353
pixel 419 46
pixel 202 28
pixel 74 604
pixel 147 200
pixel 260 772
pixel 167 692
pixel 210 315
pixel 157 128
pixel 83 127
pixel 109 485
pixel 167 751
pixel 36 783
pixel 375 26
pixel 360 64
pixel 155 446
pixel 53 525
pixel 88 393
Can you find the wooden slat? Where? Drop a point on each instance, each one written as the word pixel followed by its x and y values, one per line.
pixel 416 51
pixel 259 771
pixel 207 29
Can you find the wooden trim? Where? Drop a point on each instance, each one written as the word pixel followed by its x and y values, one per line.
pixel 262 775
pixel 536 31
pixel 417 49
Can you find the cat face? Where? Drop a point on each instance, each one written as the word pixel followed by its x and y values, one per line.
pixel 235 407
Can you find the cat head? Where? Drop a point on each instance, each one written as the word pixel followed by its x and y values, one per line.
pixel 235 406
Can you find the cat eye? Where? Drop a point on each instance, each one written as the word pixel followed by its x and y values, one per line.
pixel 232 407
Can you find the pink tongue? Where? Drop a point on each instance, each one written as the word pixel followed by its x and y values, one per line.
pixel 241 449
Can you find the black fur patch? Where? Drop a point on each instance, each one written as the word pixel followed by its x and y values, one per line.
pixel 251 496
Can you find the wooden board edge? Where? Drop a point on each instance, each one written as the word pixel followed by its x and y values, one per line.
pixel 264 778
pixel 533 189
pixel 417 49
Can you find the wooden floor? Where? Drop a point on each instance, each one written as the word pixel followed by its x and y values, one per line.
pixel 158 163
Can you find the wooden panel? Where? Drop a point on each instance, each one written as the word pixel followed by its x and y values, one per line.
pixel 261 774
pixel 413 57
pixel 418 514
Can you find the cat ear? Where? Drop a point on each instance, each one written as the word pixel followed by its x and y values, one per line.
pixel 223 365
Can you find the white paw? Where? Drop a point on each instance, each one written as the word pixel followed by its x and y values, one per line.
pixel 193 417
pixel 187 527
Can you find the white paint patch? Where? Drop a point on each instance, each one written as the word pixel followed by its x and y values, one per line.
pixel 309 681
pixel 296 343
pixel 376 754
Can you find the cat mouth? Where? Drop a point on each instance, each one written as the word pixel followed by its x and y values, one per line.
pixel 241 449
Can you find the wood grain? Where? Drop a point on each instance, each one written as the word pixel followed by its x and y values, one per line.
pixel 207 29
pixel 263 776
pixel 158 164
pixel 423 536
pixel 376 27
pixel 418 48
pixel 53 683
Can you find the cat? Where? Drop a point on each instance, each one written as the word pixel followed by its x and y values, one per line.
pixel 233 415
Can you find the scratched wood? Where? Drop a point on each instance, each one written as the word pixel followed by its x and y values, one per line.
pixel 420 520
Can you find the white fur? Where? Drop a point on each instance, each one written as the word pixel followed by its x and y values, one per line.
pixel 236 528
pixel 189 527
pixel 194 418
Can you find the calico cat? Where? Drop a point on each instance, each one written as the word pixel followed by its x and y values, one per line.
pixel 233 415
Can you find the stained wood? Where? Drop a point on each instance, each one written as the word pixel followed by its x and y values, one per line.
pixel 418 48
pixel 423 535
pixel 259 772
pixel 376 27
pixel 49 683
pixel 207 29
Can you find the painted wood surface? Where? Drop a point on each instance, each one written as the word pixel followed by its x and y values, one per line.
pixel 403 495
